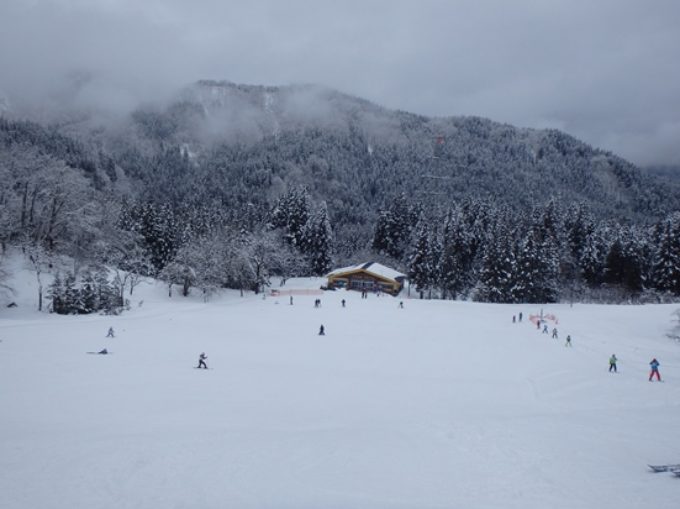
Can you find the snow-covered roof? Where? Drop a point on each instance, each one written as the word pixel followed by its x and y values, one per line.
pixel 374 268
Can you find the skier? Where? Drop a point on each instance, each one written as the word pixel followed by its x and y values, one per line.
pixel 612 363
pixel 401 304
pixel 291 300
pixel 568 343
pixel 110 333
pixel 520 317
pixel 655 370
pixel 514 319
pixel 554 333
pixel 545 329
pixel 103 352
pixel 538 324
pixel 343 303
pixel 322 331
pixel 201 361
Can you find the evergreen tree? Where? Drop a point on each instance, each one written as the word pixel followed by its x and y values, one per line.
pixel 318 240
pixel 623 263
pixel 56 294
pixel 666 261
pixel 291 213
pixel 593 257
pixel 420 271
pixel 434 262
pixel 108 299
pixel 89 293
pixel 579 224
pixel 497 275
pixel 71 301
pixel 455 263
pixel 393 228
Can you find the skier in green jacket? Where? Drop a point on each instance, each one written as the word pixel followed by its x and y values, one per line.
pixel 612 363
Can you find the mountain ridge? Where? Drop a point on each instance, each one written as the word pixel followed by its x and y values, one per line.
pixel 341 146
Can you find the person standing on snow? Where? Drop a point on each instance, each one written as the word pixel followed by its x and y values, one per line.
pixel 655 370
pixel 201 361
pixel 322 331
pixel 568 343
pixel 554 333
pixel 612 363
pixel 110 333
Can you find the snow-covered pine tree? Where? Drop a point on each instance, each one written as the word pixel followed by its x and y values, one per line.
pixel 71 302
pixel 55 292
pixel 318 241
pixel 434 261
pixel 666 259
pixel 420 271
pixel 291 213
pixel 624 263
pixel 497 275
pixel 393 228
pixel 593 257
pixel 88 293
pixel 107 298
pixel 455 263
pixel 578 224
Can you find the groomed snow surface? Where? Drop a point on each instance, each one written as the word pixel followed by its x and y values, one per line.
pixel 436 405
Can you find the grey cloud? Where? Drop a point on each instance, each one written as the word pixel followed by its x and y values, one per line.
pixel 604 71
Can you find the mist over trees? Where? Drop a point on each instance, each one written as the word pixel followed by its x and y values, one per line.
pixel 231 185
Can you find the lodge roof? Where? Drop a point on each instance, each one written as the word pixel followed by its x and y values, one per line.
pixel 373 268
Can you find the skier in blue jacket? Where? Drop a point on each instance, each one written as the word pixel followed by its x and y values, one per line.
pixel 655 370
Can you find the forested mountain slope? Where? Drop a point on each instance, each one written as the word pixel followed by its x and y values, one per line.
pixel 317 177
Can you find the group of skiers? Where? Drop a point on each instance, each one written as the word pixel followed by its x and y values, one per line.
pixel 654 367
pixel 555 334
pixel 654 364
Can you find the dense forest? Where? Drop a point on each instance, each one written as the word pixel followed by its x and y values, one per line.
pixel 228 185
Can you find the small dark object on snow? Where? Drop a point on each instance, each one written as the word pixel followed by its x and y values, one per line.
pixel 665 468
pixel 322 331
pixel 103 352
pixel 12 305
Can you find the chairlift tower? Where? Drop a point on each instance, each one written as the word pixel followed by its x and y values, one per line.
pixel 434 175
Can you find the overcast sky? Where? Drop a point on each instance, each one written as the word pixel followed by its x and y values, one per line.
pixel 606 71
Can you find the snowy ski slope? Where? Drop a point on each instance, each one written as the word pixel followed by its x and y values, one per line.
pixel 437 405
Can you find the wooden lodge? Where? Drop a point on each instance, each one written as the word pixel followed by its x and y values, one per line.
pixel 371 277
